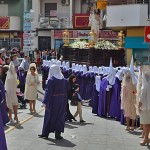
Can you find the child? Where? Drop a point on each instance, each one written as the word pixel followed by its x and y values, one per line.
pixel 78 99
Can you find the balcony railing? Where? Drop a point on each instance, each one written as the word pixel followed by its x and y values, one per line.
pixel 60 21
pixel 122 2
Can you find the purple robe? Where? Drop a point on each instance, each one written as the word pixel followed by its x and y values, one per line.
pixel 102 98
pixel 115 105
pixel 3 145
pixel 3 104
pixel 45 71
pixel 55 100
pixel 83 85
pixel 95 98
pixel 90 83
pixel 122 119
pixel 21 77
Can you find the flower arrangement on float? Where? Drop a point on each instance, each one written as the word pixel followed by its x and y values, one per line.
pixel 79 44
pixel 105 45
pixel 102 45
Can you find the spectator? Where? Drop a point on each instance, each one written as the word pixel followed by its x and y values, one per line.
pixel 78 99
pixel 32 80
pixel 2 58
pixel 25 64
pixel 11 88
pixel 7 60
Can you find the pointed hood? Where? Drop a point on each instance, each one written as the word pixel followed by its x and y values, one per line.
pixel 111 66
pixel 134 77
pixel 132 66
pixel 111 74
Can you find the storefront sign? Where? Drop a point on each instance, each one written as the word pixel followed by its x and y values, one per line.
pixel 83 34
pixel 147 34
pixel 108 34
pixel 4 22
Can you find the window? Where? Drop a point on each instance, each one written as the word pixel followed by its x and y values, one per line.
pixel 50 8
pixel 16 42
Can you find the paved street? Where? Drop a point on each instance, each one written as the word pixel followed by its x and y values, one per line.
pixel 96 134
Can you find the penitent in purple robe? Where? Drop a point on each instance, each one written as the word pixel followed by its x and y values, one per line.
pixel 122 119
pixel 55 100
pixel 3 145
pixel 102 98
pixel 3 104
pixel 95 98
pixel 83 85
pixel 115 105
pixel 45 71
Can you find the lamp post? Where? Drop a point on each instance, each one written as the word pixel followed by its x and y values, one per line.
pixel 66 37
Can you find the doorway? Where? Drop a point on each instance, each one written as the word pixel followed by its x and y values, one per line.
pixel 44 43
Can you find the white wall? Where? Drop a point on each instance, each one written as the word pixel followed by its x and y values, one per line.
pixel 3 9
pixel 62 11
pixel 77 6
pixel 36 6
pixel 126 15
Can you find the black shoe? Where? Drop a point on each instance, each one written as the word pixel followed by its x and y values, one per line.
pixel 43 136
pixel 70 120
pixel 82 121
pixel 74 119
pixel 58 137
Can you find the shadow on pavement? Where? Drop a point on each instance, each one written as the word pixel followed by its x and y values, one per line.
pixel 38 115
pixel 81 124
pixel 6 127
pixel 62 143
pixel 135 133
pixel 18 126
pixel 69 126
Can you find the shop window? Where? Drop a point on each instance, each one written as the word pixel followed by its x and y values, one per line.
pixel 10 43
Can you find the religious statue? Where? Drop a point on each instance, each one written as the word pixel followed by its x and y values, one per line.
pixel 95 22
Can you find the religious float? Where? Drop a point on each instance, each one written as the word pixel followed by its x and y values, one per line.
pixel 94 53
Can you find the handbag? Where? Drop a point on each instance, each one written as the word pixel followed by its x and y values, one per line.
pixel 74 101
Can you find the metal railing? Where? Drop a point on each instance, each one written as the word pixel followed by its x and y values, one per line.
pixel 60 21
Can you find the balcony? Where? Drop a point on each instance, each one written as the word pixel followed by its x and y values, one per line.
pixel 54 22
pixel 127 15
pixel 10 23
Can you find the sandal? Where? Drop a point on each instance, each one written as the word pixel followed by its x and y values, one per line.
pixel 127 129
pixel 16 119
